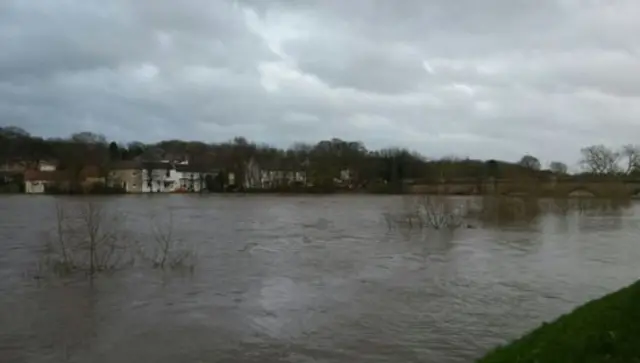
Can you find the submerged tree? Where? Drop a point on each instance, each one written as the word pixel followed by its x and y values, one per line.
pixel 86 238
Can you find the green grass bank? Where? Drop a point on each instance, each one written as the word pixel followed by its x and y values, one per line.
pixel 603 330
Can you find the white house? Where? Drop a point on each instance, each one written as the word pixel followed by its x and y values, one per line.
pixel 170 177
pixel 36 181
pixel 190 178
pixel 126 175
pixel 257 176
pixel 273 178
pixel 47 165
pixel 159 177
pixel 252 175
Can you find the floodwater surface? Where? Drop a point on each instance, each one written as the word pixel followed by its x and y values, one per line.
pixel 303 279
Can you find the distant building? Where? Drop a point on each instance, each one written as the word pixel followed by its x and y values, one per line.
pixel 272 175
pixel 38 181
pixel 191 178
pixel 252 175
pixel 126 175
pixel 47 165
pixel 13 166
pixel 11 176
pixel 346 175
pixel 346 178
pixel 159 177
pixel 174 177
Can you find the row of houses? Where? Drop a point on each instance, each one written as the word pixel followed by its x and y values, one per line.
pixel 167 177
pixel 259 177
pixel 38 181
pixel 126 176
pixel 159 177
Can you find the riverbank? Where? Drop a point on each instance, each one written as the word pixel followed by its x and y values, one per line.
pixel 603 330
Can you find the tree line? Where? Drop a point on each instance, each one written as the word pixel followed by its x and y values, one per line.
pixel 322 161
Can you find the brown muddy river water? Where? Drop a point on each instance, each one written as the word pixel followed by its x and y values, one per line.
pixel 304 279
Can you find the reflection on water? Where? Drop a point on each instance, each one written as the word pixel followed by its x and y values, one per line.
pixel 310 279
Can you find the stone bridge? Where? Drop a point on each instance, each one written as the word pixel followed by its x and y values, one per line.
pixel 551 188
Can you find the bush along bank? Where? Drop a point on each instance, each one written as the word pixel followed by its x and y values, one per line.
pixel 603 330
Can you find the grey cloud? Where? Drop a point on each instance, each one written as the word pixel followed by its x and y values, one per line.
pixel 356 62
pixel 46 37
pixel 492 79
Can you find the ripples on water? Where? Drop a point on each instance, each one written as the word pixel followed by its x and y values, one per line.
pixel 306 279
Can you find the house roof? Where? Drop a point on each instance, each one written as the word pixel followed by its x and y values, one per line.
pixel 196 168
pixel 37 175
pixel 13 166
pixel 50 162
pixel 126 165
pixel 60 175
pixel 156 165
pixel 188 168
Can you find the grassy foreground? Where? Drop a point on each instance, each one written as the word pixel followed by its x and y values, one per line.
pixel 603 330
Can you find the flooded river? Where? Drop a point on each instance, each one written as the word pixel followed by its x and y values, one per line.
pixel 304 279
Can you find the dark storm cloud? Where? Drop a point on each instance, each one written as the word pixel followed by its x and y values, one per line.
pixel 495 78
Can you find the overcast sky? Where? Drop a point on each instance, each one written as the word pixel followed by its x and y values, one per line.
pixel 479 78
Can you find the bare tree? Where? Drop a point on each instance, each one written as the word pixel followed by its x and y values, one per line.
pixel 168 250
pixel 86 238
pixel 101 240
pixel 530 162
pixel 631 155
pixel 558 167
pixel 599 159
pixel 58 253
pixel 61 236
pixel 439 212
pixel 429 212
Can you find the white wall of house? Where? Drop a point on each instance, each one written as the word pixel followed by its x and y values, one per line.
pixel 252 176
pixel 257 177
pixel 34 186
pixel 129 179
pixel 45 166
pixel 162 181
pixel 270 178
pixel 191 181
pixel 300 176
pixel 12 167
